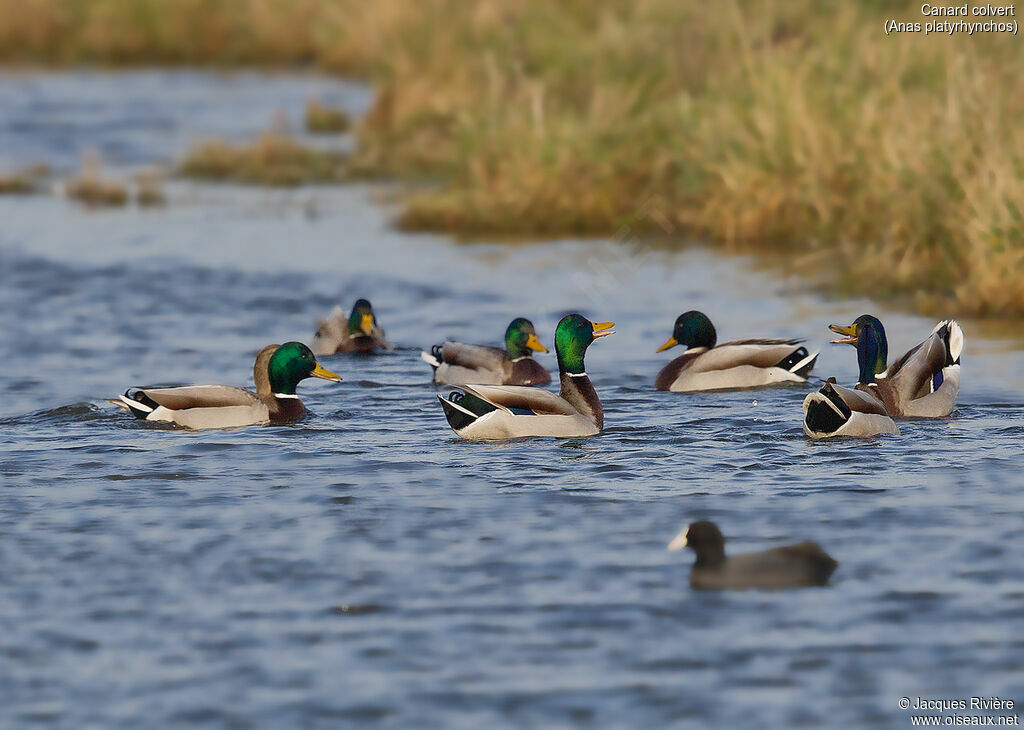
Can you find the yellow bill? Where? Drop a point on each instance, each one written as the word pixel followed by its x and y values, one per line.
pixel 366 324
pixel 602 329
pixel 669 344
pixel 534 344
pixel 321 372
pixel 849 330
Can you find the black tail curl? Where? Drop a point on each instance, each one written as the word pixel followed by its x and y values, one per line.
pixel 457 418
pixel 821 417
pixel 794 358
pixel 139 396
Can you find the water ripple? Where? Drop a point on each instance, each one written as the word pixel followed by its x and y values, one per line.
pixel 364 567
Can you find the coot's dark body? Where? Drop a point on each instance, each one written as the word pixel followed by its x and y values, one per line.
pixel 790 566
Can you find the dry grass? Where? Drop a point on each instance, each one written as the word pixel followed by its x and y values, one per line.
pixel 149 189
pixel 94 190
pixel 24 181
pixel 765 127
pixel 323 119
pixel 272 159
pixel 15 184
pixel 783 126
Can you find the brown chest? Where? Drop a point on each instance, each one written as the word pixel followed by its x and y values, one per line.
pixel 283 410
pixel 527 371
pixel 579 391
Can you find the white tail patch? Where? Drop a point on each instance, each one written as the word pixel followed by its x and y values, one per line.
pixel 956 337
pixel 804 362
pixel 833 406
pixel 822 398
pixel 134 405
pixel 457 407
pixel 956 340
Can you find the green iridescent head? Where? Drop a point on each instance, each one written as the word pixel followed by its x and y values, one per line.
pixel 362 320
pixel 868 335
pixel 291 363
pixel 692 329
pixel 572 338
pixel 521 339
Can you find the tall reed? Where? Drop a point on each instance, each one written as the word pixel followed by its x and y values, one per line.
pixel 787 126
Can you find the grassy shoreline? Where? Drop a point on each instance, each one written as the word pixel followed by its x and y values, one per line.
pixel 796 127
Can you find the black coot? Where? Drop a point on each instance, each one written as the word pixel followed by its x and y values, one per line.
pixel 791 566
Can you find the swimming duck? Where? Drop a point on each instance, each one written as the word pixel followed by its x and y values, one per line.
pixel 789 566
pixel 738 364
pixel 924 382
pixel 857 411
pixel 455 363
pixel 359 332
pixel 277 371
pixel 511 411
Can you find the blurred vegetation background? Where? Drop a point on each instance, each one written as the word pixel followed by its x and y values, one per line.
pixel 892 162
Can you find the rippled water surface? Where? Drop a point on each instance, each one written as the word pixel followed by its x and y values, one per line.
pixel 366 568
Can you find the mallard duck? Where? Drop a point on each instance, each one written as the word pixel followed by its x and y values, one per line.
pixel 789 566
pixel 358 332
pixel 277 371
pixel 838 411
pixel 924 382
pixel 457 364
pixel 739 364
pixel 511 411
pixel 857 411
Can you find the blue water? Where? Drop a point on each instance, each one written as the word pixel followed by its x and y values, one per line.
pixel 366 568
